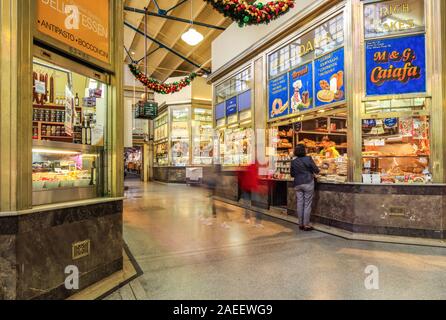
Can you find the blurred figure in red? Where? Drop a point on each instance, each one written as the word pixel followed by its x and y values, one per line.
pixel 248 179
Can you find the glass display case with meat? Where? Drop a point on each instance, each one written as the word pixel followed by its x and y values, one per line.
pixel 396 150
pixel 57 166
pixel 202 137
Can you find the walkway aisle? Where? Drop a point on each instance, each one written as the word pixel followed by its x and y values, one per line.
pixel 184 256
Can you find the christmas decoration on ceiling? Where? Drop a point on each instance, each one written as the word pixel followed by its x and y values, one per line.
pixel 250 13
pixel 159 87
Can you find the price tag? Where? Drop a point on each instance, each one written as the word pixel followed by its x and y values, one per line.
pixel 40 87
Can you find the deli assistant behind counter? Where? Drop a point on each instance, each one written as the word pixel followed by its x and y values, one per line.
pixel 329 150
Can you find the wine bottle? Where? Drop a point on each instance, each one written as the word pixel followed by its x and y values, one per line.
pixel 76 100
pixel 84 132
pixel 89 131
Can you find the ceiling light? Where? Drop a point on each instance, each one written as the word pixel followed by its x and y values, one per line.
pixel 192 37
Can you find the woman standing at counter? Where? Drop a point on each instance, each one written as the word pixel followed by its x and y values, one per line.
pixel 303 170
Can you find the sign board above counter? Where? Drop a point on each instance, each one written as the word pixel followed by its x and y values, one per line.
pixel 82 25
pixel 394 17
pixel 396 66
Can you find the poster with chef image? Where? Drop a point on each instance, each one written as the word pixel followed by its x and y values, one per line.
pixel 329 74
pixel 301 88
pixel 278 97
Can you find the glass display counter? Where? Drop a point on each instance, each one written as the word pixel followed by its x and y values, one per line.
pixel 65 172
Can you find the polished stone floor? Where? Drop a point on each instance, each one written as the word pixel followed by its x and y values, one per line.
pixel 185 254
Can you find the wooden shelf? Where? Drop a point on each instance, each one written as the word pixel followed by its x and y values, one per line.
pixel 322 133
pixel 53 106
pixel 379 157
pixel 52 123
pixel 57 137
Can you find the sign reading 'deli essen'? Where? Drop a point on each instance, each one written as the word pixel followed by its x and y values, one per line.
pixel 329 80
pixel 278 97
pixel 393 17
pixel 396 66
pixel 301 88
pixel 83 25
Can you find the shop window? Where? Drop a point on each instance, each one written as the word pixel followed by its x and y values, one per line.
pixel 274 64
pixel 284 59
pixel 325 139
pixel 69 121
pixel 180 136
pixel 236 146
pixel 202 137
pixel 396 150
pixel 160 138
pixel 329 35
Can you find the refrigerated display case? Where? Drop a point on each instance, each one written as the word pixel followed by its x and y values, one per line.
pixel 65 172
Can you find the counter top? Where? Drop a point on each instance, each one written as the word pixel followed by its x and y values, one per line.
pixel 367 184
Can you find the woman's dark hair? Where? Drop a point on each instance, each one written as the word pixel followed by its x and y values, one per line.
pixel 300 151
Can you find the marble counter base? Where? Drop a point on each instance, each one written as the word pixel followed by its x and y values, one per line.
pixel 38 248
pixel 228 187
pixel 178 174
pixel 414 211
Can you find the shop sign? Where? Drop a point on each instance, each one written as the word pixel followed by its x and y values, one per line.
pixel 146 110
pixel 244 101
pixel 231 106
pixel 301 88
pixel 394 17
pixel 40 87
pixel 83 25
pixel 220 111
pixel 396 66
pixel 329 78
pixel 278 97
